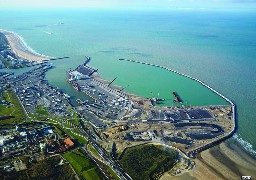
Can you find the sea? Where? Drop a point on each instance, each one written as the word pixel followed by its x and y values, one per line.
pixel 215 46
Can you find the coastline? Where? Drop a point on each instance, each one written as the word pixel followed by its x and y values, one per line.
pixel 224 161
pixel 233 107
pixel 217 162
pixel 21 49
pixel 97 77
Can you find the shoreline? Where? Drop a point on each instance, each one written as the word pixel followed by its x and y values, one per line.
pixel 207 165
pixel 217 160
pixel 21 49
pixel 233 107
pixel 226 160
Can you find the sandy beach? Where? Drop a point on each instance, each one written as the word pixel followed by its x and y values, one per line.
pixel 224 161
pixel 21 49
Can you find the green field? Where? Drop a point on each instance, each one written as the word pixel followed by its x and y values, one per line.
pixel 41 113
pixel 148 161
pixel 64 132
pixel 41 110
pixel 74 121
pixel 83 165
pixel 60 131
pixel 93 151
pixel 14 109
pixel 112 173
pixel 80 140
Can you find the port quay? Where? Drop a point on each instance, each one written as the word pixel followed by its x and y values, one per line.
pixel 233 106
pixel 113 105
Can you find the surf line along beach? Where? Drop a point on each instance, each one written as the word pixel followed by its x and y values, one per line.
pixel 21 49
pixel 233 106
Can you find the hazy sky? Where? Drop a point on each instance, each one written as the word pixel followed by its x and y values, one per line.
pixel 238 4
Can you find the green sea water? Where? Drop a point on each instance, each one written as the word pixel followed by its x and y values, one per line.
pixel 218 48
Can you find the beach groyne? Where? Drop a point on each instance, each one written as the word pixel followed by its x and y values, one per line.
pixel 233 106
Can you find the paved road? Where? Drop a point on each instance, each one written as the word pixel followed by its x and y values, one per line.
pixel 114 165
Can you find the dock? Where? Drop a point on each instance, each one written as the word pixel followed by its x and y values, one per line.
pixel 52 59
pixel 233 106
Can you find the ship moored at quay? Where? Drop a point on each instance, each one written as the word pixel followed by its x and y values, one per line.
pixel 232 104
pixel 189 129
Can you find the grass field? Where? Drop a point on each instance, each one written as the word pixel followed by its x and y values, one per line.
pixel 41 110
pixel 14 109
pixel 74 121
pixel 60 130
pixel 63 132
pixel 83 165
pixel 66 125
pixel 81 140
pixel 93 151
pixel 41 113
pixel 113 173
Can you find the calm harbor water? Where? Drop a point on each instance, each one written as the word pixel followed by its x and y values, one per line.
pixel 218 48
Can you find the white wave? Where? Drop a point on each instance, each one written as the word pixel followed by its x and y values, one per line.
pixel 245 144
pixel 24 45
pixel 50 33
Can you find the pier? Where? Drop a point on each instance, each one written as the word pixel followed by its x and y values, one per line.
pixel 109 102
pixel 66 57
pixel 233 106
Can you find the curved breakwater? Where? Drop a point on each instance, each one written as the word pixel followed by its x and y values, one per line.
pixel 233 106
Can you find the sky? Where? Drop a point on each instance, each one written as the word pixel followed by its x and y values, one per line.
pixel 214 4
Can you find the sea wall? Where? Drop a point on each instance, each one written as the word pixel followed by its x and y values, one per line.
pixel 233 106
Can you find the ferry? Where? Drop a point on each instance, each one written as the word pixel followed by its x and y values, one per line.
pixel 74 84
pixel 66 95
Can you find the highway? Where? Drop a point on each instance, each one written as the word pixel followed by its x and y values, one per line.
pixel 113 164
